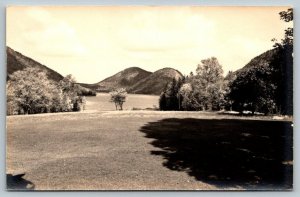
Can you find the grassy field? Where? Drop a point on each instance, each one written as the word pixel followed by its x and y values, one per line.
pixel 145 150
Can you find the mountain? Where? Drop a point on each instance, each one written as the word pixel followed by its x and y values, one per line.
pixel 136 80
pixel 123 79
pixel 156 82
pixel 17 61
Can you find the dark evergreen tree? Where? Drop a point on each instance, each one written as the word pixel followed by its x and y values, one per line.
pixel 162 101
pixel 170 98
pixel 171 95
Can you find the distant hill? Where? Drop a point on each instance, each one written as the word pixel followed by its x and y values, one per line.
pixel 156 82
pixel 123 79
pixel 136 80
pixel 17 61
pixel 89 86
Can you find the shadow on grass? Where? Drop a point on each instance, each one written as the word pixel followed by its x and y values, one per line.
pixel 227 153
pixel 16 182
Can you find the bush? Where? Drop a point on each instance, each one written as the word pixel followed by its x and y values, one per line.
pixel 118 97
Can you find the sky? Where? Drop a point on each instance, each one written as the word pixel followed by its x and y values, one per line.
pixel 95 42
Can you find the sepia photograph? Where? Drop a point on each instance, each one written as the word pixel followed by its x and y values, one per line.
pixel 149 98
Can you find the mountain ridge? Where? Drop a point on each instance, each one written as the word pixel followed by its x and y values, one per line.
pixel 134 79
pixel 138 81
pixel 17 61
pixel 259 60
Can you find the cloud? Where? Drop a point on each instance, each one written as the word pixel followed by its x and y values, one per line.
pixel 95 42
pixel 51 36
pixel 150 31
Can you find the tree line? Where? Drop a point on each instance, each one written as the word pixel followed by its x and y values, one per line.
pixel 204 90
pixel 266 88
pixel 29 91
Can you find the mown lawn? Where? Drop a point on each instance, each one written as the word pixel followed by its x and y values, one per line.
pixel 148 150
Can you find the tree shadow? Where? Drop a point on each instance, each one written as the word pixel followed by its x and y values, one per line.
pixel 16 182
pixel 246 154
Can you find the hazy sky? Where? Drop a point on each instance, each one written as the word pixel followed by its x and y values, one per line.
pixel 93 43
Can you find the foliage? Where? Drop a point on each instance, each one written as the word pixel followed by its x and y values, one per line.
pixel 189 101
pixel 118 97
pixel 162 101
pixel 253 90
pixel 266 84
pixel 79 103
pixel 82 91
pixel 202 91
pixel 288 39
pixel 282 78
pixel 29 91
pixel 228 80
pixel 170 99
pixel 283 67
pixel 208 84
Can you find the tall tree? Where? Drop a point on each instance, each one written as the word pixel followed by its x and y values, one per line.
pixel 171 94
pixel 254 90
pixel 287 41
pixel 72 92
pixel 228 80
pixel 208 82
pixel 162 101
pixel 282 65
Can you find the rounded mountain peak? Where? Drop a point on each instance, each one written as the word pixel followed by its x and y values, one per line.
pixel 169 72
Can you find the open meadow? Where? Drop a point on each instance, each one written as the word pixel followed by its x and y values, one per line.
pixel 125 150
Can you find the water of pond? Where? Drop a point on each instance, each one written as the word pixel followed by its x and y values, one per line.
pixel 139 101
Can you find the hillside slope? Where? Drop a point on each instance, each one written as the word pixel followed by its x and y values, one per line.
pixel 17 61
pixel 263 59
pixel 156 82
pixel 123 79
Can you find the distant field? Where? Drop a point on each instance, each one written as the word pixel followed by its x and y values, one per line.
pixel 101 102
pixel 128 150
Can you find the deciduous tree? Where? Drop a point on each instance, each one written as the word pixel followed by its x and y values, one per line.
pixel 118 97
pixel 30 91
pixel 208 84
